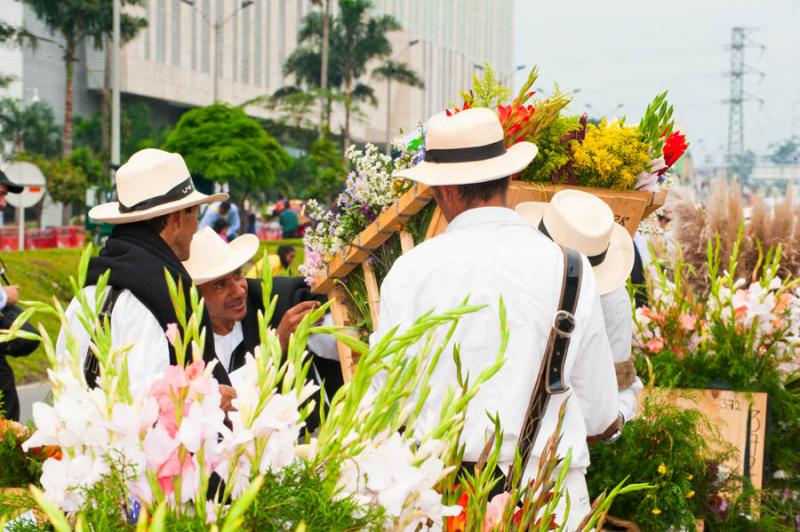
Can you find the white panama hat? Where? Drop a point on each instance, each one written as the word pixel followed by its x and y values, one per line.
pixel 468 148
pixel 152 183
pixel 583 222
pixel 210 257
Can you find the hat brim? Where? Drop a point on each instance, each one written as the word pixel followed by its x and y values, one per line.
pixel 610 274
pixel 110 213
pixel 514 160
pixel 240 250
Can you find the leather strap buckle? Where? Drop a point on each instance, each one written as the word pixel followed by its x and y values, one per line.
pixel 564 324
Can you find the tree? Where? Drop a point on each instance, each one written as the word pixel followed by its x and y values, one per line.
pixel 356 38
pixel 787 152
pixel 136 131
pixel 12 35
pixel 223 144
pixel 30 128
pixel 396 71
pixel 77 20
pixel 319 175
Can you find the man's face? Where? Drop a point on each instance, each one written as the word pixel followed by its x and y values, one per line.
pixel 3 194
pixel 226 297
pixel 184 231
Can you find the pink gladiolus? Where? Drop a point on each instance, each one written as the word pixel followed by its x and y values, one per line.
pixel 687 321
pixel 198 382
pixel 495 510
pixel 655 345
pixel 175 376
pixel 171 332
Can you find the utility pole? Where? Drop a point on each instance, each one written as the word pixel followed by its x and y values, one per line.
pixel 115 111
pixel 736 149
pixel 323 81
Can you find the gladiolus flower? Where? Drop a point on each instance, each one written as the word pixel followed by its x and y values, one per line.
pixel 655 345
pixel 171 332
pixel 674 148
pixel 687 321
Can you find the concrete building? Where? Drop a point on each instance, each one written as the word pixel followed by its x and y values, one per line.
pixel 171 64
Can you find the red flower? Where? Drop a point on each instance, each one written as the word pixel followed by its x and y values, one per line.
pixel 674 147
pixel 458 523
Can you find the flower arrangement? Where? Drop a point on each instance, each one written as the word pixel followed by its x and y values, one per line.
pixel 602 154
pixel 741 334
pixel 169 456
pixel 670 449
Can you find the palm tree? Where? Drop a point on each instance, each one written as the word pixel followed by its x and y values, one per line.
pixel 356 39
pixel 31 128
pixel 390 71
pixel 77 20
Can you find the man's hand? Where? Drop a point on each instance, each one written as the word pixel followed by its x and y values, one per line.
pixel 292 319
pixel 12 294
pixel 228 395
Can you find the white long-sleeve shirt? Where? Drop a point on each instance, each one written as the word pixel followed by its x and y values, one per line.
pixel 132 324
pixel 618 314
pixel 487 253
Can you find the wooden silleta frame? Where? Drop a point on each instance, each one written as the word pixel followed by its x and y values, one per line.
pixel 630 207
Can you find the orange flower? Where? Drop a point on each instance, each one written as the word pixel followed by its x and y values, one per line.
pixel 458 523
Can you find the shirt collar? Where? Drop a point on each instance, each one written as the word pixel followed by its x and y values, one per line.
pixel 486 215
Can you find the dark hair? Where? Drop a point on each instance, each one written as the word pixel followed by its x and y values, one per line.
pixel 283 251
pixel 219 225
pixel 225 206
pixel 154 225
pixel 482 192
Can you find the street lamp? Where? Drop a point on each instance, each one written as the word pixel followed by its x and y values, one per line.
pixel 218 26
pixel 510 75
pixel 411 43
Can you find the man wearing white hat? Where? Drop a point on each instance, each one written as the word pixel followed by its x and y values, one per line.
pixel 233 302
pixel 581 221
pixel 155 217
pixel 487 252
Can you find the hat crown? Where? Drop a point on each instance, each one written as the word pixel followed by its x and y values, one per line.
pixel 580 221
pixel 470 128
pixel 149 173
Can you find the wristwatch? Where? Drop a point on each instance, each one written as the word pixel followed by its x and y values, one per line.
pixel 618 432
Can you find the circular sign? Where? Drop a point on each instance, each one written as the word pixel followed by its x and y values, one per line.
pixel 31 178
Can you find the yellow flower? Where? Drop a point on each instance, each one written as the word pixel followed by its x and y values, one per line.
pixel 689 477
pixel 690 494
pixel 656 511
pixel 662 469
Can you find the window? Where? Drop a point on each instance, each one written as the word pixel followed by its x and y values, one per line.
pixel 268 46
pixel 281 35
pixel 246 46
pixel 219 38
pixel 194 37
pixel 147 15
pixel 206 37
pixel 257 44
pixel 175 37
pixel 161 30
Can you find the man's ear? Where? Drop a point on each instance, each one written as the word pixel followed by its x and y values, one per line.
pixel 174 221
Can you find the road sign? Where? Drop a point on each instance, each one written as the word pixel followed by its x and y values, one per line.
pixel 32 180
pixel 29 176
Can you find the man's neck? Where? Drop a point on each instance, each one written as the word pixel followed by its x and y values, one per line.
pixel 222 327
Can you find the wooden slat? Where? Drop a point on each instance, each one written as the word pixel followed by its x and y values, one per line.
pixel 340 318
pixel 437 220
pixel 406 241
pixel 390 221
pixel 373 294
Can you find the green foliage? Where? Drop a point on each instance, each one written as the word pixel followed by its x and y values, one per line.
pixel 656 124
pixel 786 152
pixel 670 449
pixel 298 495
pixel 29 127
pixel 68 179
pixel 554 152
pixel 19 468
pixel 487 91
pixel 225 145
pixel 136 131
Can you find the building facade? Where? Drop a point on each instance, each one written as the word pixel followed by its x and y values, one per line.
pixel 172 63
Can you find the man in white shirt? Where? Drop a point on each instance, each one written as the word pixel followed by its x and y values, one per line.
pixel 489 251
pixel 233 302
pixel 155 218
pixel 583 222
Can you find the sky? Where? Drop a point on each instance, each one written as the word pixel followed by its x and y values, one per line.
pixel 621 53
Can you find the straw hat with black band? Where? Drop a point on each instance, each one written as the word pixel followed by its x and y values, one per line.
pixel 468 148
pixel 585 223
pixel 152 183
pixel 211 258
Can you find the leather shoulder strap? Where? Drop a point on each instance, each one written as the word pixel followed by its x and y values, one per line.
pixel 91 366
pixel 549 379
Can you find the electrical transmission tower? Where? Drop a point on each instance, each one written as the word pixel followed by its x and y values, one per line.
pixel 736 151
